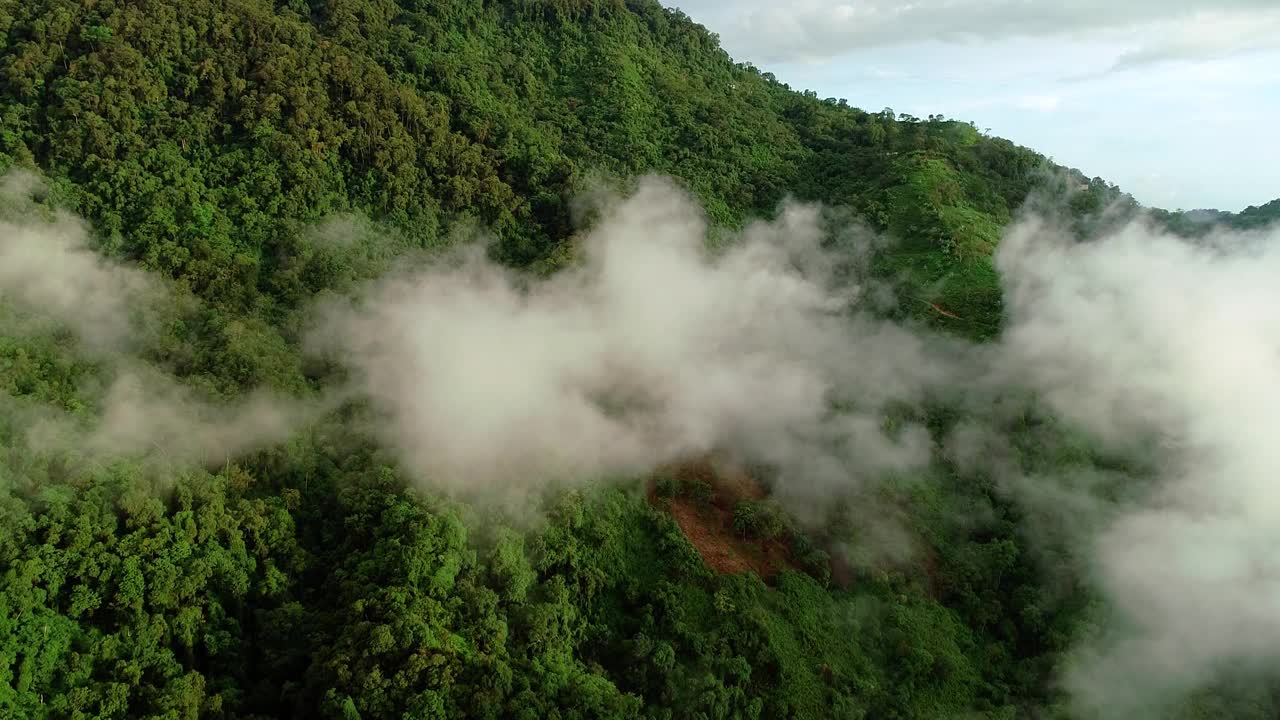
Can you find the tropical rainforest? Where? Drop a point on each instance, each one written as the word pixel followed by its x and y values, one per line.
pixel 207 145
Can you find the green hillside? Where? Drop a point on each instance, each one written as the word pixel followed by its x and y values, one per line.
pixel 206 141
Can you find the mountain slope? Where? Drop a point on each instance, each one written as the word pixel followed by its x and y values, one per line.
pixel 206 141
pixel 198 141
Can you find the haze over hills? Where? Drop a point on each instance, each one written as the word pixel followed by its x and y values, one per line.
pixel 367 359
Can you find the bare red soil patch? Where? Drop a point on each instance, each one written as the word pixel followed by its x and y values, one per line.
pixel 708 523
pixel 713 536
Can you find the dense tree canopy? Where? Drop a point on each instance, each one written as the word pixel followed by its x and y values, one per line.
pixel 206 140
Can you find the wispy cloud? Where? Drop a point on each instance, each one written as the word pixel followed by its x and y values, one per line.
pixel 1147 341
pixel 1205 36
pixel 648 351
pixel 819 29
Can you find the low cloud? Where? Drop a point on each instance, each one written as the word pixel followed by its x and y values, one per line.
pixel 50 273
pixel 1148 341
pixel 51 278
pixel 650 349
pixel 146 414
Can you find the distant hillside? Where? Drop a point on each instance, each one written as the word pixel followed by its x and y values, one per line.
pixel 1195 222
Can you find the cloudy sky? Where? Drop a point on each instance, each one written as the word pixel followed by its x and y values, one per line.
pixel 1176 101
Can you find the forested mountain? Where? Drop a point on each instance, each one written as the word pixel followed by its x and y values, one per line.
pixel 1193 222
pixel 208 143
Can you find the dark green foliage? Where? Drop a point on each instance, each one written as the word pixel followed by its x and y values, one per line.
pixel 119 604
pixel 1258 216
pixel 757 520
pixel 666 486
pixel 255 154
pixel 697 489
